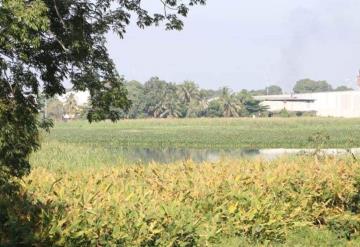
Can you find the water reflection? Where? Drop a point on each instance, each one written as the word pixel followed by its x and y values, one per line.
pixel 169 155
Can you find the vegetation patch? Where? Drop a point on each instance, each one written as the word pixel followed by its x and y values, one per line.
pixel 186 204
pixel 210 133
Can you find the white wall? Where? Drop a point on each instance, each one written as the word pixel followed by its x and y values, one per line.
pixel 334 104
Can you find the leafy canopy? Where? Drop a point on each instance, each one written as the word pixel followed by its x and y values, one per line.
pixel 44 43
pixel 311 86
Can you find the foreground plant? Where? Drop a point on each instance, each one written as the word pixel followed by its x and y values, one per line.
pixel 186 204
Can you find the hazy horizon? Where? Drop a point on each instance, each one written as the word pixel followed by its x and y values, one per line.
pixel 248 44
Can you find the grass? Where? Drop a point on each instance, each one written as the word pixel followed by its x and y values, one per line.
pixel 80 144
pixel 293 202
pixel 209 133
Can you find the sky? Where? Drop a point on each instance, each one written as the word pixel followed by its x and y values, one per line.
pixel 248 44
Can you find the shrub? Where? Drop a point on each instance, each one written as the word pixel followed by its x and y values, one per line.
pixel 197 205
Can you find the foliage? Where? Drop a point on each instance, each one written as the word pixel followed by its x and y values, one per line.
pixel 319 139
pixel 284 113
pixel 18 141
pixel 71 106
pixel 273 90
pixel 136 94
pixel 214 109
pixel 343 88
pixel 21 222
pixel 230 104
pixel 250 105
pixel 54 109
pixel 270 90
pixel 311 86
pixel 261 202
pixel 46 42
pixel 160 99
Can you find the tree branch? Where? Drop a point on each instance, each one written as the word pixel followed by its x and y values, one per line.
pixel 58 15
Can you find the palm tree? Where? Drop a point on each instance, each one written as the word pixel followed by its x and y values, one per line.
pixel 231 105
pixel 171 108
pixel 189 95
pixel 188 92
pixel 168 104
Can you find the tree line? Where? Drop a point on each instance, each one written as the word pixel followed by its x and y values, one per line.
pixel 158 98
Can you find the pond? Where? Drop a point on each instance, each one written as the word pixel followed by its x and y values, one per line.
pixel 170 155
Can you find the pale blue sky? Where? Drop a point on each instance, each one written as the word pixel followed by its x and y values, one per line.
pixel 248 44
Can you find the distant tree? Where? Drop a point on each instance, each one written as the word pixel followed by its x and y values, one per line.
pixel 257 92
pixel 189 95
pixel 171 109
pixel 71 106
pixel 170 103
pixel 210 93
pixel 231 106
pixel 250 106
pixel 343 88
pixel 137 97
pixel 203 104
pixel 155 91
pixel 188 91
pixel 311 86
pixel 214 109
pixel 54 108
pixel 273 90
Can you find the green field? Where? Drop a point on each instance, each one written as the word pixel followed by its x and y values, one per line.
pixel 209 133
pixel 80 144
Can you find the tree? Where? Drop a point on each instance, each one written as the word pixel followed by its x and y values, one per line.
pixel 71 106
pixel 154 95
pixel 54 108
pixel 250 106
pixel 231 106
pixel 136 96
pixel 189 94
pixel 343 88
pixel 45 42
pixel 214 109
pixel 188 91
pixel 170 103
pixel 273 90
pixel 310 86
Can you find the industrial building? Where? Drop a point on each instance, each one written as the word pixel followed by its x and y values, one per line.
pixel 327 104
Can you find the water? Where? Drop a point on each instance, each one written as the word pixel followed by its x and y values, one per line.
pixel 170 155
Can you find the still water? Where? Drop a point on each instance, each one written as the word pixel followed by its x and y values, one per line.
pixel 169 155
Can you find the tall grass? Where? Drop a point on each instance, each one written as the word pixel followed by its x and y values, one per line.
pixel 186 204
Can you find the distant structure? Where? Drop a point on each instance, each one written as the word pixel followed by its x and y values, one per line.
pixel 67 117
pixel 327 104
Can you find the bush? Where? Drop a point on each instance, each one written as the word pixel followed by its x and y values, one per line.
pixel 284 113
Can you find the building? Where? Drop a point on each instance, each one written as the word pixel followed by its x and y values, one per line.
pixel 327 104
